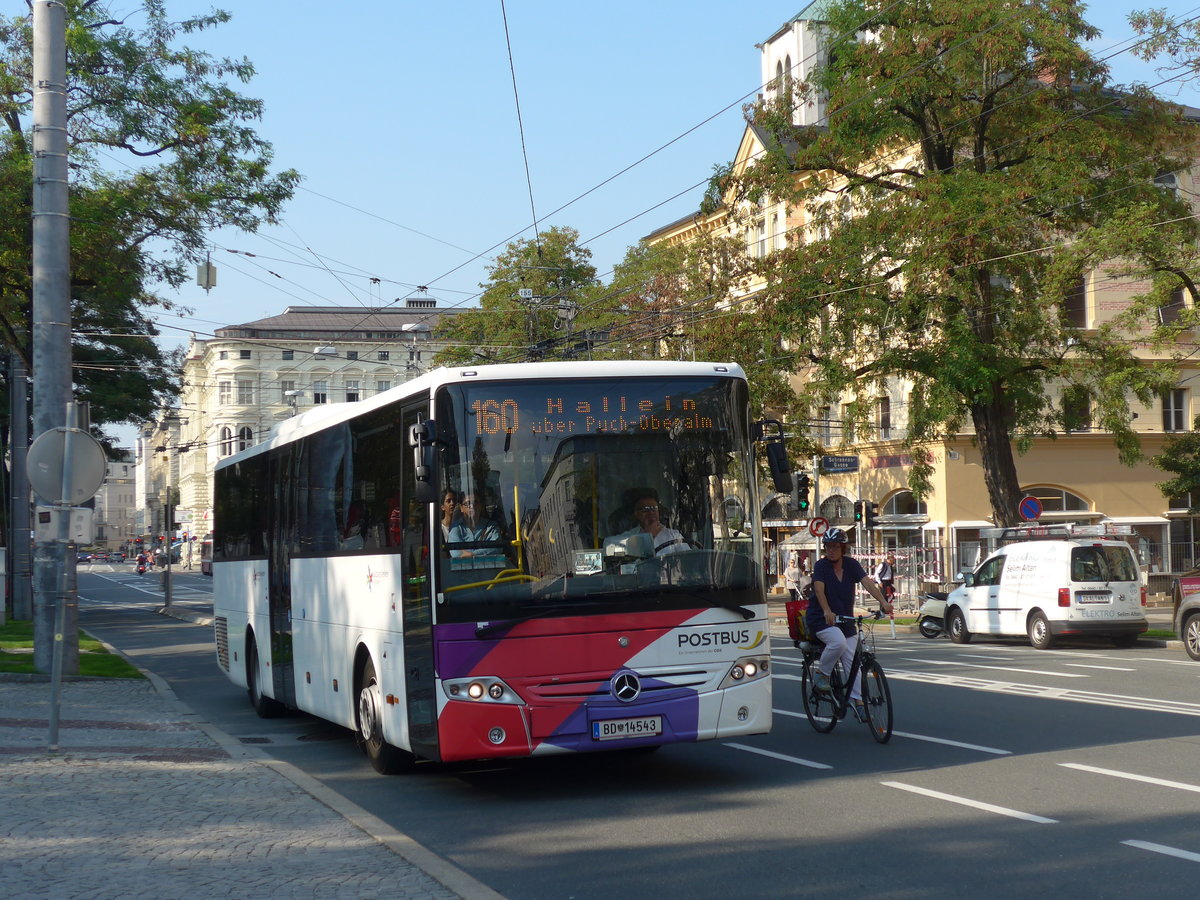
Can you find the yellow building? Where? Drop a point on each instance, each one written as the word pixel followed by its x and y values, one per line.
pixel 1076 478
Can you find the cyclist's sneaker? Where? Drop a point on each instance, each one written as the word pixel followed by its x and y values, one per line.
pixel 860 711
pixel 821 682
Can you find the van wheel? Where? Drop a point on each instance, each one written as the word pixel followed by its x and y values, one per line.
pixel 956 624
pixel 385 759
pixel 1191 635
pixel 1039 632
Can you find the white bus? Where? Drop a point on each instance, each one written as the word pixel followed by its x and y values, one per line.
pixel 351 582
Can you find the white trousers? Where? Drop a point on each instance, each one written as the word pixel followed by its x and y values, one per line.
pixel 838 646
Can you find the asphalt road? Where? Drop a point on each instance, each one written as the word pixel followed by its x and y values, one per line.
pixel 1073 772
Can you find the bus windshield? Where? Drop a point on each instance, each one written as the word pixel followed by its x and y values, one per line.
pixel 595 495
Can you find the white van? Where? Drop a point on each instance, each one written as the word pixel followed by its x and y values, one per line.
pixel 1047 589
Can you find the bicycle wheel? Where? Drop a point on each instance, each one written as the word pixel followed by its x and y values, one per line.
pixel 820 707
pixel 877 700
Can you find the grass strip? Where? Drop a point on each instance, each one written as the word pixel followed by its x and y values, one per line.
pixel 95 661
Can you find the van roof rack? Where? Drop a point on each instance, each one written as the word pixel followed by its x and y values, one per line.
pixel 1057 532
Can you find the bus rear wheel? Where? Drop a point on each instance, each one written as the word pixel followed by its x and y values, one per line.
pixel 385 759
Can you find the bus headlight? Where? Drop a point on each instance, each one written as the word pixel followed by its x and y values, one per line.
pixel 748 668
pixel 481 689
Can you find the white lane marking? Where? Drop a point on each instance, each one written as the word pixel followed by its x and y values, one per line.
pixel 980 656
pixel 1164 849
pixel 1045 693
pixel 915 737
pixel 974 804
pixel 946 662
pixel 950 743
pixel 1107 668
pixel 792 759
pixel 1145 779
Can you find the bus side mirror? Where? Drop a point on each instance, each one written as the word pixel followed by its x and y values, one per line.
pixel 420 438
pixel 777 460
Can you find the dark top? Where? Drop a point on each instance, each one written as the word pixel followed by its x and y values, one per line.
pixel 838 594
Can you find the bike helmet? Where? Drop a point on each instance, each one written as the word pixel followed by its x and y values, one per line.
pixel 835 536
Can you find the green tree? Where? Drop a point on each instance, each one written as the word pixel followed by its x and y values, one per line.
pixel 194 163
pixel 975 164
pixel 564 303
pixel 1181 457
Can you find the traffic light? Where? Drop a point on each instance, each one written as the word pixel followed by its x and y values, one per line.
pixel 869 514
pixel 858 512
pixel 802 486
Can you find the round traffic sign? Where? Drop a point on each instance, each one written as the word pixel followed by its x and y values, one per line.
pixel 1030 508
pixel 818 526
pixel 47 457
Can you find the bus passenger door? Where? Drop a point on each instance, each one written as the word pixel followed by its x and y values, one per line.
pixel 279 582
pixel 419 676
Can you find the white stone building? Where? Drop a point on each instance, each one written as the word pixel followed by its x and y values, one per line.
pixel 249 377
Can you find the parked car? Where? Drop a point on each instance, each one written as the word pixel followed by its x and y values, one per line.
pixel 1187 612
pixel 1053 588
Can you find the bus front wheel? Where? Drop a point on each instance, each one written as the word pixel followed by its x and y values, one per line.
pixel 266 707
pixel 385 759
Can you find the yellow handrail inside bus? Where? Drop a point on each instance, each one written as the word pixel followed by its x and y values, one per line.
pixel 492 582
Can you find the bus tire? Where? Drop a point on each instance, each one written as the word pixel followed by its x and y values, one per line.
pixel 385 759
pixel 266 707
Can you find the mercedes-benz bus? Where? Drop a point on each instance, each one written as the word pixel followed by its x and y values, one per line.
pixel 353 581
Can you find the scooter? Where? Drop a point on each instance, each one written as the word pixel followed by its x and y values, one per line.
pixel 141 568
pixel 931 617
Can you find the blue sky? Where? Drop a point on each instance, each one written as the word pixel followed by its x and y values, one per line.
pixel 401 117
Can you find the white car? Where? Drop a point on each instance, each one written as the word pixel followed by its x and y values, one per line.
pixel 1047 589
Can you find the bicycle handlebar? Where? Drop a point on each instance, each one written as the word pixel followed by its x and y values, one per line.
pixel 876 615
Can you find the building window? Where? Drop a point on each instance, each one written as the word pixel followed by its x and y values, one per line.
pixel 1167 182
pixel 1077 410
pixel 320 392
pixel 352 391
pixel 883 418
pixel 224 393
pixel 226 441
pixel 288 354
pixel 243 354
pixel 245 393
pixel 824 423
pixel 1075 305
pixel 1058 500
pixel 284 387
pixel 381 386
pixel 384 355
pixel 1170 313
pixel 351 354
pixel 1175 410
pixel 222 354
pixel 904 503
pixel 847 424
pixel 245 437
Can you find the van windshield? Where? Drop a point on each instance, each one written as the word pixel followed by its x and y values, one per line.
pixel 1102 564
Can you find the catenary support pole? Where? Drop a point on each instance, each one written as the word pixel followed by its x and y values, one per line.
pixel 51 337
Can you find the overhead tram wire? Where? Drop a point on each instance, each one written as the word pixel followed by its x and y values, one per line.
pixel 521 128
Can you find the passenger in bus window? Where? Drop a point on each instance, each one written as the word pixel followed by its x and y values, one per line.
pixel 473 527
pixel 450 513
pixel 647 513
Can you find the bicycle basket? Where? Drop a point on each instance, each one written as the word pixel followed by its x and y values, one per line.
pixel 797 626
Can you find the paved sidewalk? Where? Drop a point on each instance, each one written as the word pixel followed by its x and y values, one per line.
pixel 142 800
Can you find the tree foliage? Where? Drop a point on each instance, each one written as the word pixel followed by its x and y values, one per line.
pixel 162 150
pixel 553 322
pixel 974 165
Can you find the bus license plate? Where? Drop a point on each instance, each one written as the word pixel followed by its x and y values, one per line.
pixel 615 729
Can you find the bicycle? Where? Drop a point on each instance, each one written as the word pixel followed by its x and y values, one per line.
pixel 826 708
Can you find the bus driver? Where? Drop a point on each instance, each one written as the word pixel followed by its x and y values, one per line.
pixel 646 513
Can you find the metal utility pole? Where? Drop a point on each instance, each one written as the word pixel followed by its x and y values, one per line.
pixel 51 337
pixel 20 535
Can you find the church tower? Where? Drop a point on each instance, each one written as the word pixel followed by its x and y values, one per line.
pixel 792 53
